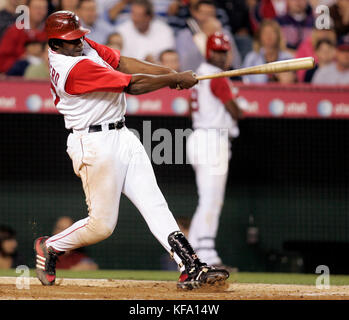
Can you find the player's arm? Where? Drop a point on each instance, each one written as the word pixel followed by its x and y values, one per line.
pixel 87 76
pixel 132 66
pixel 233 109
pixel 147 77
pixel 143 83
pixel 221 89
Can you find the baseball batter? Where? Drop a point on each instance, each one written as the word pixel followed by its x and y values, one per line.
pixel 89 82
pixel 214 117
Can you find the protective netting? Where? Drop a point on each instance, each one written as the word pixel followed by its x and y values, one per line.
pixel 288 178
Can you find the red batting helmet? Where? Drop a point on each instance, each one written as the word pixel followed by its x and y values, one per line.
pixel 64 25
pixel 217 42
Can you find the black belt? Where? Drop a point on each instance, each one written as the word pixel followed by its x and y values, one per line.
pixel 111 126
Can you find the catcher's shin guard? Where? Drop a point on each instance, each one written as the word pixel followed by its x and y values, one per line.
pixel 196 272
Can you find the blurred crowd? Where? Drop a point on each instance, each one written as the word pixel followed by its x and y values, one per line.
pixel 11 257
pixel 174 33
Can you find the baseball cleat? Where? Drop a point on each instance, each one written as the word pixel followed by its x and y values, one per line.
pixel 196 273
pixel 46 259
pixel 205 275
pixel 225 267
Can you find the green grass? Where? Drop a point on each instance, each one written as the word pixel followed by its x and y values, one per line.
pixel 241 277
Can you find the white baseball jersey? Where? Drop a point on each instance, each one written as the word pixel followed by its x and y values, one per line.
pixel 79 92
pixel 208 108
pixel 88 91
pixel 208 150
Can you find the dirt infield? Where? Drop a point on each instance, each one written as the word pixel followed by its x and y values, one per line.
pixel 81 289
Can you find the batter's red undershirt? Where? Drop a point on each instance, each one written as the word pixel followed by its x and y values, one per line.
pixel 88 76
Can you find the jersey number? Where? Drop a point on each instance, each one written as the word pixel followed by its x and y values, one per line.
pixel 56 98
pixel 54 76
pixel 194 100
pixel 54 80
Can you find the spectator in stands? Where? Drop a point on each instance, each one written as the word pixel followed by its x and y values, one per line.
pixel 69 5
pixel 269 47
pixel 116 11
pixel 170 58
pixel 39 71
pixel 181 10
pixel 191 41
pixel 32 56
pixel 74 259
pixel 315 3
pixel 145 36
pixel 337 72
pixel 100 29
pixel 297 23
pixel 238 15
pixel 12 44
pixel 9 257
pixel 325 51
pixel 265 9
pixel 258 11
pixel 239 22
pixel 285 77
pixel 307 47
pixel 115 41
pixel 8 14
pixel 161 8
pixel 280 7
pixel 339 13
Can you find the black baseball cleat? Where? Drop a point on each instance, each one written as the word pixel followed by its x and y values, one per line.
pixel 204 275
pixel 196 273
pixel 46 259
pixel 226 267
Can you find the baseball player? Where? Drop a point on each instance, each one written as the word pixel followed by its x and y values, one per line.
pixel 89 82
pixel 214 117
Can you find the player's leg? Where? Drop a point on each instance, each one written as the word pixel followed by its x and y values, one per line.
pixel 209 154
pixel 142 189
pixel 102 178
pixel 204 225
pixel 94 160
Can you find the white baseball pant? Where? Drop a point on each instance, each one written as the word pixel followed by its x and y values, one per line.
pixel 208 150
pixel 110 162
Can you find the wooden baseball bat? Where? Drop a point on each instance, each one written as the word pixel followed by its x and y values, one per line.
pixel 272 67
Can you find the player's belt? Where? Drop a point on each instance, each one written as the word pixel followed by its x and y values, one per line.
pixel 111 126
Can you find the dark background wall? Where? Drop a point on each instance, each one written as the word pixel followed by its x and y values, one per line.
pixel 289 175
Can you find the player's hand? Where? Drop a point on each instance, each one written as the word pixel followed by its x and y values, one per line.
pixel 186 80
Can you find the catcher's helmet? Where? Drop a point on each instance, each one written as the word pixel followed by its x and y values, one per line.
pixel 217 41
pixel 64 25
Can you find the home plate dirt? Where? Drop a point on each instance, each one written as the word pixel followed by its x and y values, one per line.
pixel 104 289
